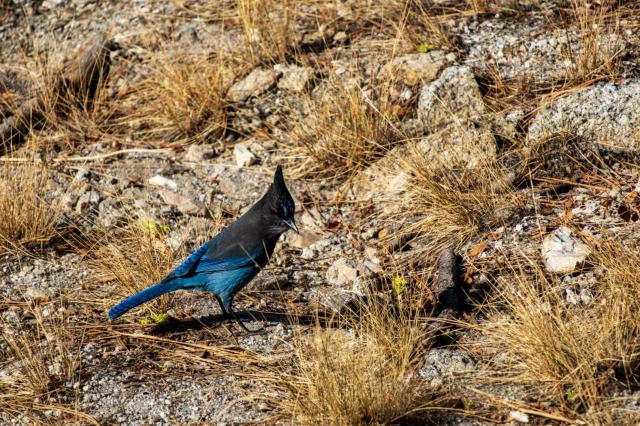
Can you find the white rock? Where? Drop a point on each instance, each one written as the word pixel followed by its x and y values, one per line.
pixel 519 416
pixel 562 251
pixel 243 157
pixel 258 81
pixel 572 297
pixel 158 180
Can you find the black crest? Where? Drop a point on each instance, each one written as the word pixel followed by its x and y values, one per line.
pixel 278 177
pixel 279 196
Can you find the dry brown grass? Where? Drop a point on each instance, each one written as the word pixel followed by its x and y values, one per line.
pixel 182 98
pixel 268 29
pixel 71 126
pixel 448 208
pixel 599 55
pixel 366 375
pixel 138 256
pixel 28 213
pixel 71 103
pixel 574 355
pixel 343 134
pixel 42 362
pixel 430 26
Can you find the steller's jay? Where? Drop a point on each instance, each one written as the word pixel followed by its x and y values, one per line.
pixel 227 262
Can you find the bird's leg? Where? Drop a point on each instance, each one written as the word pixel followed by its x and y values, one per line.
pixel 224 310
pixel 230 314
pixel 237 319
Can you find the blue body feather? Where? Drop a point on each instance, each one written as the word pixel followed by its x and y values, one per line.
pixel 223 277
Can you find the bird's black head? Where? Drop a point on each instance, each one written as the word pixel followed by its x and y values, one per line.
pixel 281 204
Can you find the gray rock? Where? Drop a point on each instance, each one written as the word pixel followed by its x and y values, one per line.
pixel 346 285
pixel 69 201
pixel 453 99
pixel 442 364
pixel 334 299
pixel 606 115
pixel 514 50
pixel 257 82
pixel 415 68
pixel 198 153
pixel 294 78
pixel 563 251
pixel 456 119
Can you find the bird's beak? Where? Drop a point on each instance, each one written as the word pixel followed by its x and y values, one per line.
pixel 291 224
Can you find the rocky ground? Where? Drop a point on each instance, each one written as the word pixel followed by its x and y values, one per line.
pixel 544 97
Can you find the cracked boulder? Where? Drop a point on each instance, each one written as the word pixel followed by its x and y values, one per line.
pixel 607 116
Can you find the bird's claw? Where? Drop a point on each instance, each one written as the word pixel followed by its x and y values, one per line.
pixel 247 329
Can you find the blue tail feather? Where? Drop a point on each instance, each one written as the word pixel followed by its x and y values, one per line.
pixel 145 295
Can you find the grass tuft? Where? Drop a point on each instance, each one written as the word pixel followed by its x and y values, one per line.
pixel 599 56
pixel 28 215
pixel 571 354
pixel 183 98
pixel 365 376
pixel 343 134
pixel 268 29
pixel 448 208
pixel 46 363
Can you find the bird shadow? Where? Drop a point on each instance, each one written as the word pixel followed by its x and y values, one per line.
pixel 175 325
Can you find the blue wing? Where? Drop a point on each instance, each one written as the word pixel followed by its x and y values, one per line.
pixel 190 264
pixel 209 266
pixel 201 262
